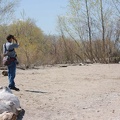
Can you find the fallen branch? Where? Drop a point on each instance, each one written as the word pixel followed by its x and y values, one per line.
pixel 3 68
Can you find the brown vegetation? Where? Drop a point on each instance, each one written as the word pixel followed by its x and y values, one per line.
pixel 84 36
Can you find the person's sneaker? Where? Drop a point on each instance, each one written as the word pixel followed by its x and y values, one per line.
pixel 14 88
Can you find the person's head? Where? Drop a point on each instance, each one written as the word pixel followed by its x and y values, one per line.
pixel 9 38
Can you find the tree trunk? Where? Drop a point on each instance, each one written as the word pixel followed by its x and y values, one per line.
pixel 103 30
pixel 89 29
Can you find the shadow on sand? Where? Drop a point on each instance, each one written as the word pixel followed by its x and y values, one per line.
pixel 35 91
pixel 21 114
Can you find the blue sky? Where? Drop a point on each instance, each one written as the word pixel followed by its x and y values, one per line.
pixel 44 12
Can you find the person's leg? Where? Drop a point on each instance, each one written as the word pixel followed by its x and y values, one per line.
pixel 11 74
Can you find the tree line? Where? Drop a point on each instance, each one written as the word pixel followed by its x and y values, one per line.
pixel 90 31
pixel 96 25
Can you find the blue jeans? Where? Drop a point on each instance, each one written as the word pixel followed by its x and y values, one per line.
pixel 12 73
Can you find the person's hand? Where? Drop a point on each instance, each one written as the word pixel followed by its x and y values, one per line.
pixel 15 39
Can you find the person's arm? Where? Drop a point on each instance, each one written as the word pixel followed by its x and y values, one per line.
pixel 15 40
pixel 16 44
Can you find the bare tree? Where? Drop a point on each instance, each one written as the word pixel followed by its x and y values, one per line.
pixel 7 9
pixel 116 3
pixel 89 21
pixel 103 27
pixel 89 29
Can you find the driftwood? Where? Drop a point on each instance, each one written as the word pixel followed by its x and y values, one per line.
pixel 22 68
pixel 3 68
pixel 5 73
pixel 63 66
pixel 25 68
pixel 19 67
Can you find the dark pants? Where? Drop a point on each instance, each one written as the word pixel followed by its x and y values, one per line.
pixel 12 73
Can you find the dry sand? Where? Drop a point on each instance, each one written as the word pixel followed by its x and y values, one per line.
pixel 69 93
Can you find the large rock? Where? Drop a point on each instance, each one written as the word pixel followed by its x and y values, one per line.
pixel 9 103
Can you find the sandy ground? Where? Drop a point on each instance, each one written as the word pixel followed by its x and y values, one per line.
pixel 69 93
